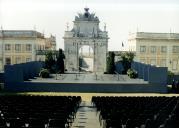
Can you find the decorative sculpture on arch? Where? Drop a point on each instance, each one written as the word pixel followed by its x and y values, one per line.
pixel 86 31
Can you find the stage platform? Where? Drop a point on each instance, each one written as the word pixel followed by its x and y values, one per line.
pixel 91 83
pixel 82 78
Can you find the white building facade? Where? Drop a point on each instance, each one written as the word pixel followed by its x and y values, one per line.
pixel 86 32
pixel 160 49
pixel 20 46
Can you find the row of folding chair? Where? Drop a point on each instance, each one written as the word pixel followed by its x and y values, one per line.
pixel 131 112
pixel 38 111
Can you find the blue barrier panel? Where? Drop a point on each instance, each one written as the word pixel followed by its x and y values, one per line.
pixel 30 67
pixel 13 73
pixel 38 67
pixel 35 69
pixel 84 87
pixel 146 72
pixel 2 77
pixel 133 66
pixel 158 75
pixel 25 71
pixel 151 73
pixel 137 66
pixel 119 67
pixel 140 70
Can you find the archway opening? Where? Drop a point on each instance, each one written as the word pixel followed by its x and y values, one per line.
pixel 86 58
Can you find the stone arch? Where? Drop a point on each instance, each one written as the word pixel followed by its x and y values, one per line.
pixel 86 57
pixel 86 31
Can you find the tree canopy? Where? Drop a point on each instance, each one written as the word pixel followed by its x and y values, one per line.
pixel 110 63
pixel 60 61
pixel 55 62
pixel 49 61
pixel 127 59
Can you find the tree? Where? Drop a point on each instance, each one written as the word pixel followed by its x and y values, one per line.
pixel 127 59
pixel 110 63
pixel 60 61
pixel 49 61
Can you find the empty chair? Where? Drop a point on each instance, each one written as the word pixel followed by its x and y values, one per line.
pixel 56 123
pixel 36 123
pixel 15 123
pixel 148 123
pixel 130 124
pixel 138 112
pixel 2 123
pixel 35 111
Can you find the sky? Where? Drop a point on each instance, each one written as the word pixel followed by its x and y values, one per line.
pixel 121 17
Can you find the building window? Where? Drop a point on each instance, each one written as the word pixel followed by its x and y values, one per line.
pixel 163 49
pixel 7 60
pixel 28 47
pixel 153 49
pixel 153 61
pixel 174 65
pixel 39 47
pixel 28 59
pixel 18 60
pixel 142 48
pixel 163 63
pixel 175 49
pixel 17 47
pixel 7 47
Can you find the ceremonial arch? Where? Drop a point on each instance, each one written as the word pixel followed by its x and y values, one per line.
pixel 86 44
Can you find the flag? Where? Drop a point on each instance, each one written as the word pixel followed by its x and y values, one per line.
pixel 122 44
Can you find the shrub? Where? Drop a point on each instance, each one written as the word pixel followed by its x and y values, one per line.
pixel 171 77
pixel 127 59
pixel 170 73
pixel 44 73
pixel 132 73
pixel 110 65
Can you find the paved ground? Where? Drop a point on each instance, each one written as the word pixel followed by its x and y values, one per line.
pixel 86 116
pixel 90 78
